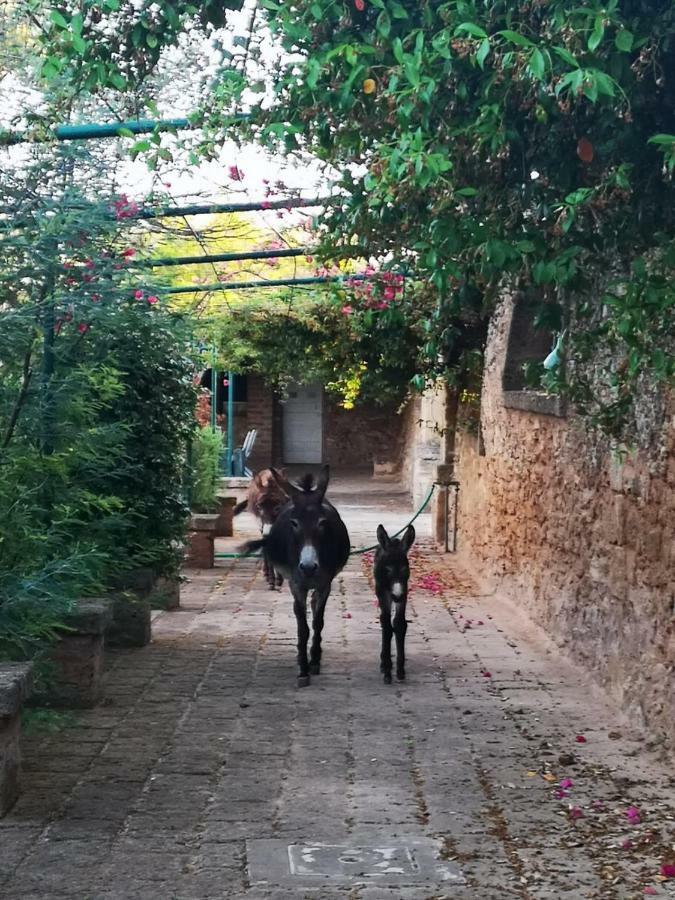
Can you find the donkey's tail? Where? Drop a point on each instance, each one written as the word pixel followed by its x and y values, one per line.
pixel 252 547
pixel 240 507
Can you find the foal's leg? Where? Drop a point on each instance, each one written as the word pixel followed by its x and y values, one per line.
pixel 319 599
pixel 300 610
pixel 400 628
pixel 385 622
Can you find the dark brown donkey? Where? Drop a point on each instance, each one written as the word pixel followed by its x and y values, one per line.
pixel 265 500
pixel 308 544
pixel 391 571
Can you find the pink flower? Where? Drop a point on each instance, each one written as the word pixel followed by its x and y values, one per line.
pixel 486 674
pixel 226 382
pixel 138 295
pixel 89 263
pixel 360 5
pixel 389 293
pixel 382 304
pixel 347 615
pixel 129 252
pixel 627 844
pixel 235 173
pixel 560 795
pixel 580 739
pixel 95 298
pixel 266 204
pixel 668 870
pixel 83 328
pixel 566 783
pixel 347 310
pixel 650 891
pixel 152 300
pixel 575 812
pixel 633 815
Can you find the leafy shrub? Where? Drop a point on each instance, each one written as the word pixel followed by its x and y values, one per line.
pixel 206 450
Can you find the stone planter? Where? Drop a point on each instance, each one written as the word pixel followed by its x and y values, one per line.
pixel 131 622
pixel 140 582
pixel 224 526
pixel 385 470
pixel 76 660
pixel 166 594
pixel 16 682
pixel 199 552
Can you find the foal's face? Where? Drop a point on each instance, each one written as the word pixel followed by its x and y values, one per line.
pixel 393 569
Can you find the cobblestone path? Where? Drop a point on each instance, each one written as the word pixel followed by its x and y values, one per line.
pixel 206 762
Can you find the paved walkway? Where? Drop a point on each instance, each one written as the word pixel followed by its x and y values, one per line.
pixel 206 763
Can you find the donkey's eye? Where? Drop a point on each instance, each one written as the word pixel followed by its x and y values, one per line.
pixel 322 522
pixel 295 523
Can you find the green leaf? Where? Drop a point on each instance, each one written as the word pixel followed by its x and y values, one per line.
pixel 79 44
pixel 125 132
pixel 76 23
pixel 151 40
pixel 58 19
pixel 483 51
pixel 537 63
pixel 516 38
pixel 117 80
pixel 466 192
pixel 397 49
pixel 397 11
pixel 596 36
pixel 470 28
pixel 383 24
pixel 624 40
pixel 566 56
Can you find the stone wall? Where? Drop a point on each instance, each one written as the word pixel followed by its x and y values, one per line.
pixel 584 541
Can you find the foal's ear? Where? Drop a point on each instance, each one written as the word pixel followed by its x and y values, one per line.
pixel 408 538
pixel 382 537
pixel 322 481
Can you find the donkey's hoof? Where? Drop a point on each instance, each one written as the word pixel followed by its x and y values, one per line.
pixel 315 668
pixel 400 676
pixel 387 678
pixel 303 681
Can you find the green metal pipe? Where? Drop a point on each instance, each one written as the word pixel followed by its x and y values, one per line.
pixel 208 209
pixel 230 420
pixel 214 389
pixel 222 257
pixel 246 285
pixel 90 131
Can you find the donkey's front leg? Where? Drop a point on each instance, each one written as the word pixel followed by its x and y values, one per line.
pixel 319 599
pixel 400 628
pixel 385 622
pixel 300 610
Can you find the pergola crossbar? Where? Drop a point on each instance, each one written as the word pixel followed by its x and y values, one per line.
pixel 250 285
pixel 223 257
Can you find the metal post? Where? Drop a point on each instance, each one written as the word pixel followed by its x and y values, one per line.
pixel 446 514
pixel 214 390
pixel 230 420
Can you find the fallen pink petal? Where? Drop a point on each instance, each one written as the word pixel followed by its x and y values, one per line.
pixel 668 870
pixel 576 813
pixel 650 891
pixel 566 783
pixel 580 739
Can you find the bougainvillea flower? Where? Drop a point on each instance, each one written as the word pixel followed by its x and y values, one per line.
pixel 83 328
pixel 566 783
pixel 486 674
pixel 138 295
pixel 627 844
pixel 580 739
pixel 347 310
pixel 129 252
pixel 235 173
pixel 559 794
pixel 650 891
pixel 668 870
pixel 360 5
pixel 633 815
pixel 152 300
pixel 576 813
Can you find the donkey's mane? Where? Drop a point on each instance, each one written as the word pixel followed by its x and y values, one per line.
pixel 306 483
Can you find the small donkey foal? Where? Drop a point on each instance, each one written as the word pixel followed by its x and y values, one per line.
pixel 391 571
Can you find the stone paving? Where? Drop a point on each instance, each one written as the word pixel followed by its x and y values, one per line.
pixel 205 763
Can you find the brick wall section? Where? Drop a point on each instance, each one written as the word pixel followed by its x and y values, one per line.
pixel 358 437
pixel 259 414
pixel 586 543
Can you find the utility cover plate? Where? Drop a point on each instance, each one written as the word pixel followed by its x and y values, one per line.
pixel 393 861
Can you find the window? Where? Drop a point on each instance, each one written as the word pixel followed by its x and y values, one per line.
pixel 527 344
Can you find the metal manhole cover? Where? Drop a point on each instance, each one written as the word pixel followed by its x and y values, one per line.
pixel 401 861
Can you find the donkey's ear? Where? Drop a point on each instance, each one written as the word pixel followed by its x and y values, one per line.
pixel 322 481
pixel 382 537
pixel 289 489
pixel 408 538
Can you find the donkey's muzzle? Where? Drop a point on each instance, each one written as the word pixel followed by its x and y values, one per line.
pixel 308 568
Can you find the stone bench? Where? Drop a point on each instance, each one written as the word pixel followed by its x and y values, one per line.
pixel 76 675
pixel 16 683
pixel 130 603
pixel 166 594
